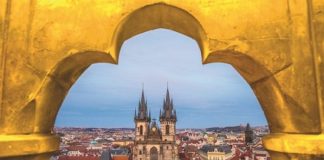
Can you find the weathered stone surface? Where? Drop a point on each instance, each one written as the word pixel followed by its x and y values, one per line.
pixel 277 46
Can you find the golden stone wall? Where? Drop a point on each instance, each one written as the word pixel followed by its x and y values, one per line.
pixel 276 45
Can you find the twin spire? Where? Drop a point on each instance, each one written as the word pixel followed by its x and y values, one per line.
pixel 143 113
pixel 168 112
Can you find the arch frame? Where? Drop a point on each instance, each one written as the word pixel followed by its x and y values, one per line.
pixel 281 134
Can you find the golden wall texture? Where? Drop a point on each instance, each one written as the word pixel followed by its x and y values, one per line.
pixel 276 45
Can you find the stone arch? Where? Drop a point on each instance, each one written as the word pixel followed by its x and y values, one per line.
pixel 57 84
pixel 161 15
pixel 158 15
pixel 153 16
pixel 280 113
pixel 279 108
pixel 63 75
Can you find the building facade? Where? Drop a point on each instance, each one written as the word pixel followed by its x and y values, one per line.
pixel 151 141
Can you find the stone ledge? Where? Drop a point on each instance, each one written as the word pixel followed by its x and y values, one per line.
pixel 295 143
pixel 21 145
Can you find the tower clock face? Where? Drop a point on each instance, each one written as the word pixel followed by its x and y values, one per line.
pixel 153 129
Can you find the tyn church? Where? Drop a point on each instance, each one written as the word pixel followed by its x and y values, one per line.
pixel 151 141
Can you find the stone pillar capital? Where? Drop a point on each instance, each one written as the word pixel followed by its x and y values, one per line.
pixel 23 145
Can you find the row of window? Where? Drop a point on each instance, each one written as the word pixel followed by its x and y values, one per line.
pixel 144 148
pixel 167 130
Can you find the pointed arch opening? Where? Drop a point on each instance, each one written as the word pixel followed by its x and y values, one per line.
pixel 154 154
pixel 141 130
pixel 159 15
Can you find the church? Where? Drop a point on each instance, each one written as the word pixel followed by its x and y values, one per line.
pixel 151 141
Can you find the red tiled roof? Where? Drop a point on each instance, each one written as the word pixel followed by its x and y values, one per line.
pixel 79 158
pixel 77 148
pixel 120 157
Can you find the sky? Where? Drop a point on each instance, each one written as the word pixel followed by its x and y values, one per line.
pixel 210 95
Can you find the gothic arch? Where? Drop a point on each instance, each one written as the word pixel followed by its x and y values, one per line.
pixel 295 28
pixel 154 153
pixel 57 83
pixel 267 90
pixel 66 71
pixel 158 15
pixel 62 76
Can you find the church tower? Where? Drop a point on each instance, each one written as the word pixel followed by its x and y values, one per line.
pixel 151 141
pixel 142 119
pixel 168 119
pixel 248 134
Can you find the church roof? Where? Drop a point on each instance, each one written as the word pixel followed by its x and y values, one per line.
pixel 154 134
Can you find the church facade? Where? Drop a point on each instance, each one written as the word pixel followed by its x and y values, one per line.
pixel 151 141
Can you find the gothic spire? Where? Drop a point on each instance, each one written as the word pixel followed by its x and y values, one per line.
pixel 168 110
pixel 164 105
pixel 143 97
pixel 142 108
pixel 167 95
pixel 135 114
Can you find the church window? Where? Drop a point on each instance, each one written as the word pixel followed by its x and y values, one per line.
pixel 141 130
pixel 167 129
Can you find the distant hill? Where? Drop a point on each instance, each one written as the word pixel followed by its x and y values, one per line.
pixel 92 129
pixel 235 129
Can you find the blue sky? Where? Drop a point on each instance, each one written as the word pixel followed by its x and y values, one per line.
pixel 204 95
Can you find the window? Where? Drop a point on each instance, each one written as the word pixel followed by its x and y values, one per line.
pixel 167 129
pixel 141 130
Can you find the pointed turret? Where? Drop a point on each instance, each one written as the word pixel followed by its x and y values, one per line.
pixel 135 115
pixel 142 109
pixel 143 96
pixel 167 95
pixel 168 110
